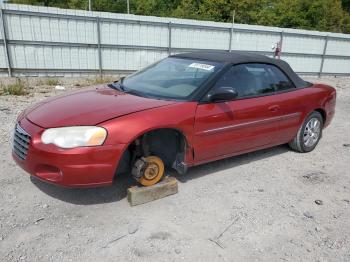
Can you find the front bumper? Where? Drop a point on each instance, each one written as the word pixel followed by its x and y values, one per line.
pixel 77 167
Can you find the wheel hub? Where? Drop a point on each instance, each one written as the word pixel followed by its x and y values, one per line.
pixel 148 170
pixel 151 171
pixel 312 132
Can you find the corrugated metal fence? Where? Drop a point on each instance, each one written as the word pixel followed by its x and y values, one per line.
pixel 50 41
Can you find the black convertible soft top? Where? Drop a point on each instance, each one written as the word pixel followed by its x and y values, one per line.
pixel 239 57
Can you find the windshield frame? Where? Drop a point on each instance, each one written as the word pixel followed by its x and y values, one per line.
pixel 194 96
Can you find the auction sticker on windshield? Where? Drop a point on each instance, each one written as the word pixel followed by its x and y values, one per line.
pixel 202 66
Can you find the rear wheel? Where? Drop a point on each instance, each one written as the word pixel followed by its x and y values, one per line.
pixel 309 134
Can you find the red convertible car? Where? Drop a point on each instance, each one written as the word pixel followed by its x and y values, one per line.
pixel 186 110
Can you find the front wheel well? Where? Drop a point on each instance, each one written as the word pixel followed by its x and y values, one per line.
pixel 167 143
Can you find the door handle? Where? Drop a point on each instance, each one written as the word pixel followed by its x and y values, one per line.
pixel 274 108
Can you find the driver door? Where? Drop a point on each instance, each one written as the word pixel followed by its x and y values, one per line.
pixel 244 124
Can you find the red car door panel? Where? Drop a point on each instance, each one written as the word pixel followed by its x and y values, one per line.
pixel 291 112
pixel 235 126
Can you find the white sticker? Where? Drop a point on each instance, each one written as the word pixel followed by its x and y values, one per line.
pixel 202 66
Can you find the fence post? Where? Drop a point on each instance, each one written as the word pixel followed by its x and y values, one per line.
pixel 169 38
pixel 98 24
pixel 323 55
pixel 230 42
pixel 7 53
pixel 281 39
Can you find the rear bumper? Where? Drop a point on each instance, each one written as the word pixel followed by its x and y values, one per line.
pixel 329 106
pixel 329 117
pixel 77 167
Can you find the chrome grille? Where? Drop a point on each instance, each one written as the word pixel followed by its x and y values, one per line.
pixel 21 140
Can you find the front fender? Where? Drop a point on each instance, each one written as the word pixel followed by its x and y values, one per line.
pixel 126 129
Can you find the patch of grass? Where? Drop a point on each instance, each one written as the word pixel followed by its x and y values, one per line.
pixel 17 89
pixel 51 81
pixel 101 80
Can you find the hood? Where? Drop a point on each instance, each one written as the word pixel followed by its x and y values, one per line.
pixel 88 107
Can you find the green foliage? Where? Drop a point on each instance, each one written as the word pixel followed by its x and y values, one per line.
pixel 346 24
pixel 322 15
pixel 51 81
pixel 153 7
pixel 17 89
pixel 101 80
pixel 346 4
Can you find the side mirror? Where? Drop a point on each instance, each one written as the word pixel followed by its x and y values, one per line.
pixel 222 94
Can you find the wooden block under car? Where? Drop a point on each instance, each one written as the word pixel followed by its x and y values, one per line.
pixel 140 195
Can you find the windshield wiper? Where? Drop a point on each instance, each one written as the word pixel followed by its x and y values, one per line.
pixel 117 85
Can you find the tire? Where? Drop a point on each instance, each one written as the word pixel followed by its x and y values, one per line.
pixel 124 164
pixel 307 138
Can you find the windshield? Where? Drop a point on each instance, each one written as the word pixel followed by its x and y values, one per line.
pixel 171 78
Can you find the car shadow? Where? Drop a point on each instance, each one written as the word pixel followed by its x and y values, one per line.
pixel 231 162
pixel 88 196
pixel 118 191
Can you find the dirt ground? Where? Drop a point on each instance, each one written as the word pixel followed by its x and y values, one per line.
pixel 255 207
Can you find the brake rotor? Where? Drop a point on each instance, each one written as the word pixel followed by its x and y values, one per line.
pixel 152 172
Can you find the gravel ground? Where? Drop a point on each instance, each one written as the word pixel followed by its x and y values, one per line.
pixel 255 207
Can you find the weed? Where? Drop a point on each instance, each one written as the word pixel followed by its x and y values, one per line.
pixel 17 89
pixel 101 80
pixel 51 81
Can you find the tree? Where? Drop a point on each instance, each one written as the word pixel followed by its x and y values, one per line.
pixel 346 5
pixel 155 7
pixel 54 3
pixel 346 24
pixel 187 9
pixel 323 15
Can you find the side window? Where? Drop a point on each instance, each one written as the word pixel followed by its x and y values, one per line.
pixel 279 79
pixel 251 80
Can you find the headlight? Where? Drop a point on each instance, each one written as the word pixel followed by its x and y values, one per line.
pixel 70 137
